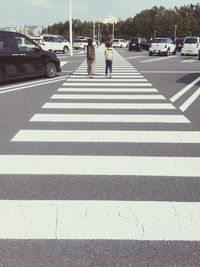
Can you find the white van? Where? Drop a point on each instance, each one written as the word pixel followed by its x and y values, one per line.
pixel 191 46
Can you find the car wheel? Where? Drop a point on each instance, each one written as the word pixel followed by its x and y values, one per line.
pixel 167 53
pixel 50 70
pixel 182 54
pixel 150 53
pixel 65 50
pixel 174 53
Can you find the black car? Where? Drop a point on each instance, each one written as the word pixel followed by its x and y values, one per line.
pixel 21 57
pixel 138 44
pixel 179 44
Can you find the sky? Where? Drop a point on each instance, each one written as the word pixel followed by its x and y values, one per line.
pixel 48 12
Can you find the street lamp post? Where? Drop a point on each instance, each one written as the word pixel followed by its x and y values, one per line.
pixel 70 27
pixel 154 34
pixel 175 30
pixel 113 30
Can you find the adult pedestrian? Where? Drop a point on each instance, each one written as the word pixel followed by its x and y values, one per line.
pixel 90 58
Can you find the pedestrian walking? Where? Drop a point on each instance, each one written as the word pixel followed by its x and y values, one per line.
pixel 108 59
pixel 90 58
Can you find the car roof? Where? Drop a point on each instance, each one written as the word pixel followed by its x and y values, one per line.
pixel 8 33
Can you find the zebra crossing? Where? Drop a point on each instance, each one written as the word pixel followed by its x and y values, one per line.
pixel 105 102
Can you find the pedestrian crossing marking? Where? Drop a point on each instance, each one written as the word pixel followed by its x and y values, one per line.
pixel 100 165
pixel 106 96
pixel 116 90
pixel 116 106
pixel 116 84
pixel 110 118
pixel 95 220
pixel 173 137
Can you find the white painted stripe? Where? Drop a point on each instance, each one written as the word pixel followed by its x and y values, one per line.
pixel 190 100
pixel 106 96
pixel 116 71
pixel 94 80
pixel 110 118
pixel 114 68
pixel 134 57
pixel 99 165
pixel 158 59
pixel 108 106
pixel 177 137
pixel 62 63
pixel 94 220
pixel 119 90
pixel 169 71
pixel 184 90
pixel 191 60
pixel 107 84
pixel 39 81
pixel 33 85
pixel 134 75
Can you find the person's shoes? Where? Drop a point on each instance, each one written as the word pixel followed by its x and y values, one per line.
pixel 110 77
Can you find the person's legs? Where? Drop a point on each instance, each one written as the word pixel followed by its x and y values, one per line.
pixel 110 68
pixel 89 67
pixel 93 67
pixel 107 65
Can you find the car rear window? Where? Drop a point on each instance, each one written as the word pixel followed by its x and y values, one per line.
pixel 80 41
pixel 161 40
pixel 191 40
pixel 134 40
pixel 179 41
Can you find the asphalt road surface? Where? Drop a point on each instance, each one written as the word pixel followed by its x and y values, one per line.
pixel 102 172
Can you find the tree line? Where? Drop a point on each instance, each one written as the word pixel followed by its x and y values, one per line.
pixel 149 23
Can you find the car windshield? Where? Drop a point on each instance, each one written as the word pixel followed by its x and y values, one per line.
pixel 190 41
pixel 115 40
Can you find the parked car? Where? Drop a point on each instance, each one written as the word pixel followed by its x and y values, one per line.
pixel 179 44
pixel 80 43
pixel 83 42
pixel 138 44
pixel 162 46
pixel 119 43
pixel 191 46
pixel 21 57
pixel 53 43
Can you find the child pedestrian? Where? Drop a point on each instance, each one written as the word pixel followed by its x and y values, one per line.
pixel 108 58
pixel 90 58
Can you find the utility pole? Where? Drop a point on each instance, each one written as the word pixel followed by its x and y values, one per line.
pixel 70 28
pixel 113 30
pixel 175 30
pixel 93 27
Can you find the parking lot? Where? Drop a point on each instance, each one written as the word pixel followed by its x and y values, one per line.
pixel 103 148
